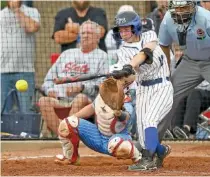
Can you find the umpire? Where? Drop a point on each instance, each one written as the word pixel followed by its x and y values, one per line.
pixel 188 25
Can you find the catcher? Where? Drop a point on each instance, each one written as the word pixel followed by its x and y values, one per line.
pixel 110 133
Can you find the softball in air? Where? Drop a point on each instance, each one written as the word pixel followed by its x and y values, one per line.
pixel 21 85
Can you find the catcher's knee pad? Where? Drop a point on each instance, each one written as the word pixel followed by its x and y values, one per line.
pixel 123 149
pixel 68 135
pixel 68 126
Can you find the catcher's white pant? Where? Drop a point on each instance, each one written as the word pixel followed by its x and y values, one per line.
pixel 152 104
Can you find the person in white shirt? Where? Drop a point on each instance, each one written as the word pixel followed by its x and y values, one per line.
pixel 88 59
pixel 19 24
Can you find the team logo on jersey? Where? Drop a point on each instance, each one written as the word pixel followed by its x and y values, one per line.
pixel 75 67
pixel 201 34
pixel 120 21
pixel 103 109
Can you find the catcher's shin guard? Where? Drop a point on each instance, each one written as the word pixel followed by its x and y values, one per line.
pixel 123 149
pixel 69 138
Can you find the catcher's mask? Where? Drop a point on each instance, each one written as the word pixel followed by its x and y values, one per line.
pixel 182 11
pixel 127 18
pixel 111 91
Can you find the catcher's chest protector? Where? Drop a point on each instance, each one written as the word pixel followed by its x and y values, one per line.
pixel 107 123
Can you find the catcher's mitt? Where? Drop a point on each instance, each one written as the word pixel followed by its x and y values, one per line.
pixel 111 91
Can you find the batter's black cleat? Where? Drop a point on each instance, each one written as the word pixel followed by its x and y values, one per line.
pixel 168 135
pixel 181 133
pixel 160 159
pixel 146 163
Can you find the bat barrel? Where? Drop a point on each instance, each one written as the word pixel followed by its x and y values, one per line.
pixel 63 80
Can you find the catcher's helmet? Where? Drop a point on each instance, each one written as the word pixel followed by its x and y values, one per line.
pixel 184 14
pixel 127 18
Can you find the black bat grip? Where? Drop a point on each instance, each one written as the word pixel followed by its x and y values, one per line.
pixel 119 74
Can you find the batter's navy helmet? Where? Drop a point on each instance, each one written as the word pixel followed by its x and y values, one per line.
pixel 127 18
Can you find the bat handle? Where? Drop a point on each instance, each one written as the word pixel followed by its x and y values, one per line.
pixel 119 74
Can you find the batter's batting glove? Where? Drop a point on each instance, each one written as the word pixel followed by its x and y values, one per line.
pixel 118 74
pixel 125 72
pixel 128 69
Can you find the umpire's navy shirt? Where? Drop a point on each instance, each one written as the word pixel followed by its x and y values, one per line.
pixel 94 14
pixel 198 34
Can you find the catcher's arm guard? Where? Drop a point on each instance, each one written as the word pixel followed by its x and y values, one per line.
pixel 149 55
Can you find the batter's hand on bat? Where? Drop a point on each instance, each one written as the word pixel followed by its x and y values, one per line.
pixel 126 75
pixel 125 72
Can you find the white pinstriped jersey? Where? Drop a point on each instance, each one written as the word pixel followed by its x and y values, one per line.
pixel 159 67
pixel 153 102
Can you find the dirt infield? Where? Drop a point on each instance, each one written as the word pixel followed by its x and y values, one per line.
pixel 185 160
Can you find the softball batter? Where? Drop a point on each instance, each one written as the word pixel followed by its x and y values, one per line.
pixel 154 93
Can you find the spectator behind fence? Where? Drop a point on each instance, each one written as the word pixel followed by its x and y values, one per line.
pixel 28 3
pixel 19 24
pixel 157 14
pixel 187 115
pixel 68 21
pixel 206 5
pixel 88 59
pixel 147 24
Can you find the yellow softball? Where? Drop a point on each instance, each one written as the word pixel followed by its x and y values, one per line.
pixel 21 85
